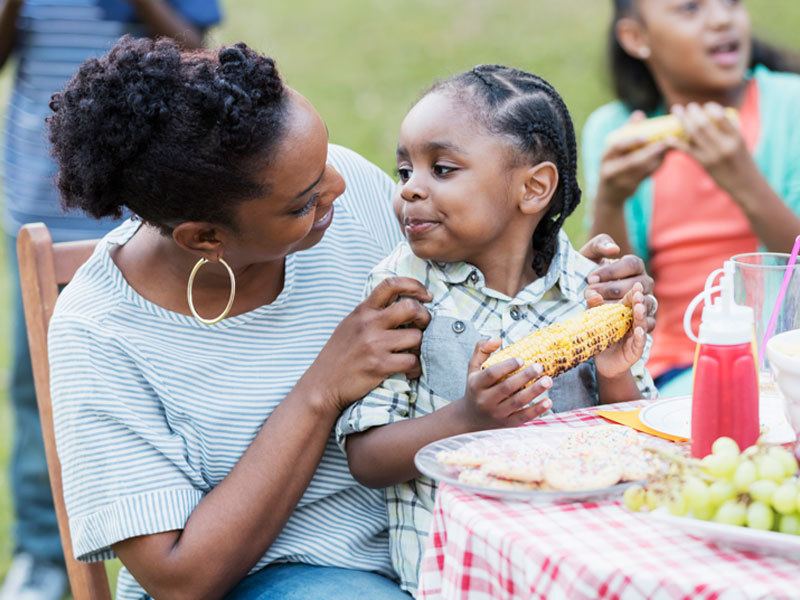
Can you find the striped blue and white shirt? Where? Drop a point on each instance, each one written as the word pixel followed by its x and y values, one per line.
pixel 53 38
pixel 153 409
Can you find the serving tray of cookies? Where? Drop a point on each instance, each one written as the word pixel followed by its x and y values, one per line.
pixel 543 464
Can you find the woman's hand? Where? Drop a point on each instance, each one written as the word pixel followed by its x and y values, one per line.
pixel 491 401
pixel 620 357
pixel 626 163
pixel 615 277
pixel 370 344
pixel 714 141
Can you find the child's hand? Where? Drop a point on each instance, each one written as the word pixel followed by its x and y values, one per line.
pixel 620 357
pixel 489 402
pixel 714 141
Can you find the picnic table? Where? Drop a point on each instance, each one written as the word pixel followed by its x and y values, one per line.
pixel 481 548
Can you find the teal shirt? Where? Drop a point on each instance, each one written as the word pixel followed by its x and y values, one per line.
pixel 777 153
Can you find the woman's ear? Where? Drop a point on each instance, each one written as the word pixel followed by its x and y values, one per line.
pixel 633 38
pixel 541 182
pixel 202 239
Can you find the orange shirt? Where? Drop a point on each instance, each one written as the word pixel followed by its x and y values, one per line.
pixel 695 227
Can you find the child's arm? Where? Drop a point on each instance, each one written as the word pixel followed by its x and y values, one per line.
pixel 384 455
pixel 615 380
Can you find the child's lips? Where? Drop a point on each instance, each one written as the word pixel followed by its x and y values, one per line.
pixel 416 227
pixel 726 55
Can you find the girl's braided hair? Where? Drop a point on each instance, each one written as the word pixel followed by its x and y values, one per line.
pixel 171 136
pixel 532 115
pixel 634 84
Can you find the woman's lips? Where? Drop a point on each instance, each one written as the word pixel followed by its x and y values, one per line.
pixel 415 227
pixel 324 222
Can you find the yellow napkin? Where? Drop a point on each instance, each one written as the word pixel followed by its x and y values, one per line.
pixel 630 418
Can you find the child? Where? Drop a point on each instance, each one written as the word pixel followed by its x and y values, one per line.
pixel 728 189
pixel 487 168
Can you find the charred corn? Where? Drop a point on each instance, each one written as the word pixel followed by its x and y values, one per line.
pixel 657 129
pixel 564 345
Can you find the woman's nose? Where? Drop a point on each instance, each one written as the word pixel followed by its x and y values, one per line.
pixel 719 13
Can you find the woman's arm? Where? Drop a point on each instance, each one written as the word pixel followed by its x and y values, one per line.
pixel 233 525
pixel 9 12
pixel 162 19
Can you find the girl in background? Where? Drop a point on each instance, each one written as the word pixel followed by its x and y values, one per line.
pixel 724 190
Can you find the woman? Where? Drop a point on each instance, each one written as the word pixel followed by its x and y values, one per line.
pixel 196 452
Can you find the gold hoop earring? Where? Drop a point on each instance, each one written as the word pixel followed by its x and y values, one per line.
pixel 225 312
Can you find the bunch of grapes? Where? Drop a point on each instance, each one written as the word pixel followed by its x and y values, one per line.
pixel 757 488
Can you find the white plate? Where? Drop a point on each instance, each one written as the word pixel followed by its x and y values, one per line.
pixel 426 462
pixel 673 416
pixel 737 538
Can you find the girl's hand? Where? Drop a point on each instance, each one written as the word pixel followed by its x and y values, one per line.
pixel 627 163
pixel 714 141
pixel 368 345
pixel 491 401
pixel 620 357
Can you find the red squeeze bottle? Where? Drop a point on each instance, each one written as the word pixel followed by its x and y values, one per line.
pixel 725 390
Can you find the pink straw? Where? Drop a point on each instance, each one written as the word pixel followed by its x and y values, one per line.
pixel 787 276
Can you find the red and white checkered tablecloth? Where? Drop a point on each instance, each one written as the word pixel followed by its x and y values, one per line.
pixel 481 548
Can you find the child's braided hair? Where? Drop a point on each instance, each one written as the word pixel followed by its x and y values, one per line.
pixel 529 111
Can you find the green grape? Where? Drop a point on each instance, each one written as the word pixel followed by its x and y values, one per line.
pixel 760 516
pixel 784 499
pixel 677 505
pixel 725 446
pixel 720 466
pixel 634 498
pixel 721 491
pixel 705 513
pixel 789 524
pixel 731 513
pixel 786 458
pixel 652 500
pixel 744 476
pixel 762 490
pixel 696 493
pixel 770 468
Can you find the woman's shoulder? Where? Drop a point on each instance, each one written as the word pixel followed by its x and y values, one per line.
pixel 94 290
pixel 779 92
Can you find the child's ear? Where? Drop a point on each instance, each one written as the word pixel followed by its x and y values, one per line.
pixel 541 182
pixel 633 38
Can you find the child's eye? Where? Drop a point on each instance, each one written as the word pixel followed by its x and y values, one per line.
pixel 689 7
pixel 403 174
pixel 306 207
pixel 442 170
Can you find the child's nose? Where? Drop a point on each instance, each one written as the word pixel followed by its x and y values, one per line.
pixel 413 190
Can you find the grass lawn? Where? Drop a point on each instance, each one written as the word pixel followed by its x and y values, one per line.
pixel 363 62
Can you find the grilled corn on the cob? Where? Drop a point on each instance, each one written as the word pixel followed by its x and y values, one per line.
pixel 564 345
pixel 657 129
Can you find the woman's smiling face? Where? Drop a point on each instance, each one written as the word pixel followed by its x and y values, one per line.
pixel 454 181
pixel 302 186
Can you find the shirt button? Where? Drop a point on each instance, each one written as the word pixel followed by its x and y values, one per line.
pixel 515 314
pixel 459 327
pixel 473 277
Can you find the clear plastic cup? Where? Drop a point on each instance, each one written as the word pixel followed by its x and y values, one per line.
pixel 757 280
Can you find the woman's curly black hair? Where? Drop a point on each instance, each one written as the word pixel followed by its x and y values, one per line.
pixel 528 111
pixel 172 136
pixel 635 85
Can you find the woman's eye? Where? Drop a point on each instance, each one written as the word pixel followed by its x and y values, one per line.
pixel 306 207
pixel 442 170
pixel 403 174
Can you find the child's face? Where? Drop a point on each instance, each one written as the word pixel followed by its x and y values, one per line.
pixel 457 194
pixel 697 45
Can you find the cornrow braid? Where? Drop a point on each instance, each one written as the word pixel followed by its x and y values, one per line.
pixel 527 109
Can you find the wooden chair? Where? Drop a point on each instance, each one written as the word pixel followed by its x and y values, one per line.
pixel 43 267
